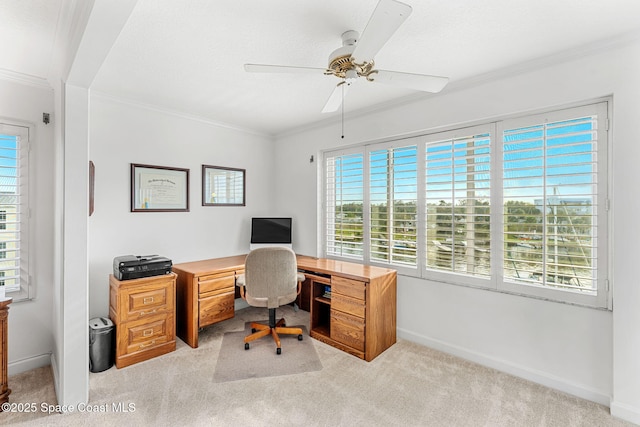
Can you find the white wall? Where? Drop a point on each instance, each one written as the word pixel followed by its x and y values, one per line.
pixel 583 351
pixel 122 134
pixel 30 330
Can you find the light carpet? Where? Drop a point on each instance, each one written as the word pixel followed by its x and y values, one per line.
pixel 235 363
pixel 407 385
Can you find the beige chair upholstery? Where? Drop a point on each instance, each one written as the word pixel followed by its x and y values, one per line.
pixel 270 279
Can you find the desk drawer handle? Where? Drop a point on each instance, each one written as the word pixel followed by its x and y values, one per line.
pixel 147 300
pixel 147 345
pixel 147 332
pixel 144 313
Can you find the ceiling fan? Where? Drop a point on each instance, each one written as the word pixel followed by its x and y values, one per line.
pixel 355 58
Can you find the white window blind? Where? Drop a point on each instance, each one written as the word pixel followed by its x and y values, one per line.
pixel 458 204
pixel 344 192
pixel 552 203
pixel 517 205
pixel 14 261
pixel 393 200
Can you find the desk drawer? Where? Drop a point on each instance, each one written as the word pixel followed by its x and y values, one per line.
pixel 215 284
pixel 216 308
pixel 347 329
pixel 347 304
pixel 348 287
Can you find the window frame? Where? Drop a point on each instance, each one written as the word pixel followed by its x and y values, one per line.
pixel 26 131
pixel 602 297
pixel 494 127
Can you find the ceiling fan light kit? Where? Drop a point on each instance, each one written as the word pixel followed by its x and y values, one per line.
pixel 354 58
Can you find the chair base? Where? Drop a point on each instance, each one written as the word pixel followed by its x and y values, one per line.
pixel 274 328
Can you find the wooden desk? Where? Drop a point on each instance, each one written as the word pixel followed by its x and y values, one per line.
pixel 359 318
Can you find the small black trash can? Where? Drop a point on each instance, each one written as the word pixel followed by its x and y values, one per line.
pixel 100 344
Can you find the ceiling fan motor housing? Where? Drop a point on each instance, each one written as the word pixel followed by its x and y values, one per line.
pixel 340 59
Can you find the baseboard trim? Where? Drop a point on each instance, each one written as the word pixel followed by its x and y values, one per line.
pixel 29 363
pixel 529 374
pixel 625 412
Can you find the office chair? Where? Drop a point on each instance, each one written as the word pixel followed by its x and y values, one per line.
pixel 270 279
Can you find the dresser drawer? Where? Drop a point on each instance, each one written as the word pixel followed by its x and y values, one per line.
pixel 144 334
pixel 347 305
pixel 347 329
pixel 211 285
pixel 348 287
pixel 216 308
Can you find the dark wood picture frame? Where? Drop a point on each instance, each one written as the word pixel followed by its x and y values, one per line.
pixel 159 188
pixel 216 179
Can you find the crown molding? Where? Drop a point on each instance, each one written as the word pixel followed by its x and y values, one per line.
pixel 24 79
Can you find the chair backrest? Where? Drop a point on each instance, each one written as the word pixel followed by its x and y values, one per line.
pixel 271 274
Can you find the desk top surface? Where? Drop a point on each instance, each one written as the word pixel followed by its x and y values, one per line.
pixel 311 264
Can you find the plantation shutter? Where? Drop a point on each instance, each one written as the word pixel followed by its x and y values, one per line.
pixel 14 259
pixel 344 221
pixel 393 205
pixel 458 202
pixel 553 208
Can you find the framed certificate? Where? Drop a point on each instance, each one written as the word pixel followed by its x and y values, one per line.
pixel 159 189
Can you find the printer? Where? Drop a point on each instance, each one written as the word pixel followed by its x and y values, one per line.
pixel 128 267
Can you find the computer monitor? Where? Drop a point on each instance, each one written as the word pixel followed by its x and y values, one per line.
pixel 270 231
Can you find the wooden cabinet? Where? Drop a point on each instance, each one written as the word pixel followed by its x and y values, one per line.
pixel 353 307
pixel 143 312
pixel 5 391
pixel 205 294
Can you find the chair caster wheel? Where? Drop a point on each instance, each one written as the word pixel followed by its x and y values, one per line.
pixel 278 351
pixel 246 346
pixel 299 337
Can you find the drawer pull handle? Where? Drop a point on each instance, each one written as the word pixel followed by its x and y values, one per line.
pixel 147 345
pixel 147 300
pixel 143 313
pixel 147 332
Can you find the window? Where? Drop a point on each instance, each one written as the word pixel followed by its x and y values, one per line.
pixel 518 205
pixel 393 204
pixel 344 205
pixel 457 198
pixel 554 200
pixel 14 258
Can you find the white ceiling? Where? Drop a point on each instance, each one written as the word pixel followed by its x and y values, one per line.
pixel 187 55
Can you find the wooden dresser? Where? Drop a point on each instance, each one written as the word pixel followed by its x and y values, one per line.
pixel 5 391
pixel 143 311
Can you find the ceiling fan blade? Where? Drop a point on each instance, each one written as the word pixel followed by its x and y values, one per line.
pixel 421 82
pixel 385 20
pixel 335 100
pixel 263 68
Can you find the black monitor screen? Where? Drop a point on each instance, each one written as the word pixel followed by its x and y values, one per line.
pixel 270 230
